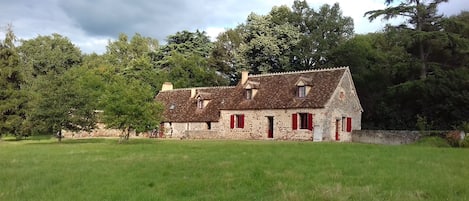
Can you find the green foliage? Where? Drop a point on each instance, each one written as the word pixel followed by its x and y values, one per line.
pixel 67 101
pixel 192 71
pixel 12 96
pixel 49 54
pixel 129 106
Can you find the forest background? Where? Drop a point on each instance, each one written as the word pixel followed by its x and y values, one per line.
pixel 411 76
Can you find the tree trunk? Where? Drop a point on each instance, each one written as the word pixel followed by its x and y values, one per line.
pixel 59 135
pixel 423 67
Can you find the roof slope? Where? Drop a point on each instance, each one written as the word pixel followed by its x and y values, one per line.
pixel 278 91
pixel 179 107
pixel 274 91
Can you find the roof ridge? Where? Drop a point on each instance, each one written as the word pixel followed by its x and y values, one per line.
pixel 302 71
pixel 215 87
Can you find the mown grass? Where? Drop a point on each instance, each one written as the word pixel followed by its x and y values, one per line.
pixel 147 169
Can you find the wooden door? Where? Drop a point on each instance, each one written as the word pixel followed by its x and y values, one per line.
pixel 270 129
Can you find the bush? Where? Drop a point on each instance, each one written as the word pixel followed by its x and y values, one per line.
pixel 465 142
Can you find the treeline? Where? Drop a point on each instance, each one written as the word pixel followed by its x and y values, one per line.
pixel 407 76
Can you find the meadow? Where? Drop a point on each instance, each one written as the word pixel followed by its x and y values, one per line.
pixel 152 169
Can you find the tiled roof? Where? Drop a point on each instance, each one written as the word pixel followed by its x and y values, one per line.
pixel 278 91
pixel 274 91
pixel 179 107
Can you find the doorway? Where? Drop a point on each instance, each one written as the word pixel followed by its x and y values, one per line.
pixel 270 128
pixel 337 122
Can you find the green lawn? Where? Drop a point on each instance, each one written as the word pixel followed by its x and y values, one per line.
pixel 147 169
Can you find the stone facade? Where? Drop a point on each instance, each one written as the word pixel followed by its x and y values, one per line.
pixel 329 111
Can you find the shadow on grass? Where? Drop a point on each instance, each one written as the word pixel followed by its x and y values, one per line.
pixel 73 141
pixel 131 141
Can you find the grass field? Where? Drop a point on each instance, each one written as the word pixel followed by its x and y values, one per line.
pixel 144 169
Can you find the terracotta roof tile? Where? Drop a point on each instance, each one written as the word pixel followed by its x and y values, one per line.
pixel 179 107
pixel 278 91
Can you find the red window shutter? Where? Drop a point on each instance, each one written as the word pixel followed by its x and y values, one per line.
pixel 241 121
pixel 294 121
pixel 232 121
pixel 310 121
pixel 349 124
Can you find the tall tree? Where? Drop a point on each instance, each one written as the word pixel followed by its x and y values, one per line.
pixel 266 44
pixel 128 105
pixel 224 54
pixel 65 102
pixel 321 32
pixel 12 95
pixel 425 24
pixel 45 54
pixel 134 59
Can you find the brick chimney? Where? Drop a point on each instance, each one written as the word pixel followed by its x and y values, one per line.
pixel 244 76
pixel 167 86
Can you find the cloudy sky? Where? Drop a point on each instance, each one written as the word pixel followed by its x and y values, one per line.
pixel 90 24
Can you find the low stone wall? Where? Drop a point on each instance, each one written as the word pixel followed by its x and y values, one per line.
pixel 100 131
pixel 201 134
pixel 391 137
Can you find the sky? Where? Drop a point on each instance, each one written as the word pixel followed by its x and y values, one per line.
pixel 91 24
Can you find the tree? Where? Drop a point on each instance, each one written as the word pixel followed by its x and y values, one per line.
pixel 122 52
pixel 192 71
pixel 45 54
pixel 425 25
pixel 65 102
pixel 321 32
pixel 128 105
pixel 13 97
pixel 267 45
pixel 224 54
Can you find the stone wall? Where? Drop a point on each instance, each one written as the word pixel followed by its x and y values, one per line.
pixel 390 137
pixel 201 134
pixel 99 131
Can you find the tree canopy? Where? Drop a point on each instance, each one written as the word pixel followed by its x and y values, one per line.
pixel 404 74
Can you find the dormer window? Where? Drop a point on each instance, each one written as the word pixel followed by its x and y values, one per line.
pixel 200 103
pixel 249 94
pixel 303 86
pixel 301 91
pixel 250 89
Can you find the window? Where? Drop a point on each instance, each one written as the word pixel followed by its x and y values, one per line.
pixel 347 124
pixel 303 120
pixel 200 103
pixel 209 125
pixel 306 121
pixel 237 121
pixel 249 94
pixel 301 91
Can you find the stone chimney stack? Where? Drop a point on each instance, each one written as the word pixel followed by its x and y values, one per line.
pixel 244 76
pixel 167 86
pixel 193 92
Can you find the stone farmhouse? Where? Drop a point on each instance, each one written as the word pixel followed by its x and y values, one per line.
pixel 318 105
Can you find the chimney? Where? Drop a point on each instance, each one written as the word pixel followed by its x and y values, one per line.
pixel 193 92
pixel 244 76
pixel 167 86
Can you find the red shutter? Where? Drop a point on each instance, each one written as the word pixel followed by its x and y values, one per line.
pixel 232 121
pixel 241 121
pixel 294 121
pixel 310 121
pixel 349 124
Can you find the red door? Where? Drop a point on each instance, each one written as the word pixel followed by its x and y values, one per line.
pixel 270 130
pixel 337 121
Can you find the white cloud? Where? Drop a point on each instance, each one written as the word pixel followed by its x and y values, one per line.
pixel 90 24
